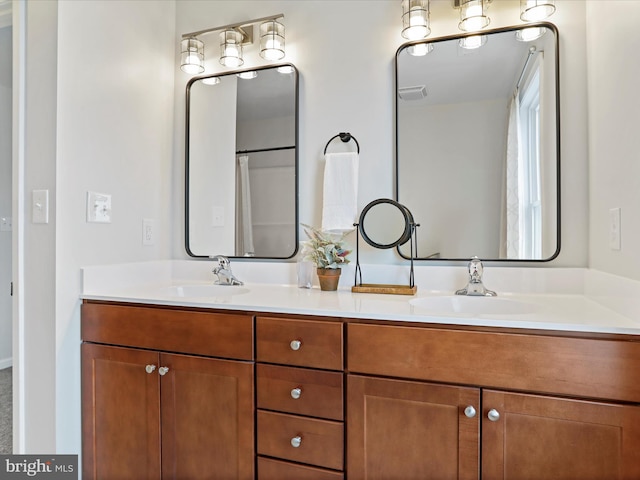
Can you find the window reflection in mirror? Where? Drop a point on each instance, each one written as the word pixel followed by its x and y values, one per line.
pixel 478 145
pixel 241 164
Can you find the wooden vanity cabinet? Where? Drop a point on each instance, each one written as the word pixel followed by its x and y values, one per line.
pixel 300 398
pixel 538 401
pixel 148 413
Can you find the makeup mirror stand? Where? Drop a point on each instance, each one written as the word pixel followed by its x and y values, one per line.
pixel 410 289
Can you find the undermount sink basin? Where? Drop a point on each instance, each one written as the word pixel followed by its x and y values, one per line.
pixel 471 305
pixel 206 290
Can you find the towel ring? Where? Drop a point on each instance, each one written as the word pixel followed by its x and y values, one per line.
pixel 345 137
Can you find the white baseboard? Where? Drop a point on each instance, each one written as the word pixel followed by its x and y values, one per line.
pixel 5 362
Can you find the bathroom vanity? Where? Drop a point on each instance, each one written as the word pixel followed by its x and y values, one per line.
pixel 182 388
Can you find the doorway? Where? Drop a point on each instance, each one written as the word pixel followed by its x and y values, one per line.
pixel 6 321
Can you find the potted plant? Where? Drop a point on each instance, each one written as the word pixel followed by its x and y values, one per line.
pixel 327 251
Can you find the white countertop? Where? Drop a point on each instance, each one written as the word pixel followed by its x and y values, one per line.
pixel 613 308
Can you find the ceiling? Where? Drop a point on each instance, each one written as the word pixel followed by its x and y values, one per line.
pixel 452 74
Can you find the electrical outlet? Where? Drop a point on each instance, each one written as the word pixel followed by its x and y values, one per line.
pixel 614 229
pixel 148 231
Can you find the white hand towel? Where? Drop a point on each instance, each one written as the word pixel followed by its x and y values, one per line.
pixel 340 192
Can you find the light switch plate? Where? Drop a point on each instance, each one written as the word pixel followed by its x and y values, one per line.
pixel 98 207
pixel 40 206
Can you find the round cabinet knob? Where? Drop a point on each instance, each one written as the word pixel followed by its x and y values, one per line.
pixel 150 368
pixel 470 412
pixel 296 392
pixel 295 345
pixel 296 441
pixel 163 370
pixel 493 415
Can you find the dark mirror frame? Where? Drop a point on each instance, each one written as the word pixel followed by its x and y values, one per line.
pixel 404 236
pixel 296 167
pixel 551 27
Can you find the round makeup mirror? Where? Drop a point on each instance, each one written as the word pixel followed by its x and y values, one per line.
pixel 384 223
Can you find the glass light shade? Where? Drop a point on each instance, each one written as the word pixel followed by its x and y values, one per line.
pixel 536 10
pixel 415 19
pixel 285 69
pixel 231 48
pixel 192 56
pixel 272 40
pixel 211 80
pixel 420 49
pixel 473 15
pixel 472 42
pixel 530 34
pixel 248 75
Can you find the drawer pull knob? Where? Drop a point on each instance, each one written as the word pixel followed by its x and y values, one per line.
pixel 295 345
pixel 150 368
pixel 470 412
pixel 163 370
pixel 296 392
pixel 493 415
pixel 296 441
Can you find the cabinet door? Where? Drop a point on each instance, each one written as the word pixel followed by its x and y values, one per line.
pixel 409 430
pixel 537 437
pixel 207 418
pixel 120 413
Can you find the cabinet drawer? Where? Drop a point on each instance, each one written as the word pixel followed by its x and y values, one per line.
pixel 321 441
pixel 595 368
pixel 295 390
pixel 304 343
pixel 173 330
pixel 270 469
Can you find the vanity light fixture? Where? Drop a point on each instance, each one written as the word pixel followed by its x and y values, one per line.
pixel 211 80
pixel 231 48
pixel 248 75
pixel 272 40
pixel 420 50
pixel 232 39
pixel 285 69
pixel 530 34
pixel 192 55
pixel 415 19
pixel 536 10
pixel 472 42
pixel 473 15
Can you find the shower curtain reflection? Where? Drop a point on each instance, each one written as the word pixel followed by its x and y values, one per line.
pixel 244 223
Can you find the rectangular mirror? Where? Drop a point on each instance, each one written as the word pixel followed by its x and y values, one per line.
pixel 241 158
pixel 478 144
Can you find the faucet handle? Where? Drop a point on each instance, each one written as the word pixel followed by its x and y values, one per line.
pixel 475 268
pixel 223 262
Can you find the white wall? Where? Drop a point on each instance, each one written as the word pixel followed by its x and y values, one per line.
pixel 115 125
pixel 5 193
pixel 345 53
pixel 614 103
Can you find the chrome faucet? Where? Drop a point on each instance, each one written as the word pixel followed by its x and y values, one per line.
pixel 223 271
pixel 475 286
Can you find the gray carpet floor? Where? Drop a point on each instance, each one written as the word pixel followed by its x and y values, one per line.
pixel 6 411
